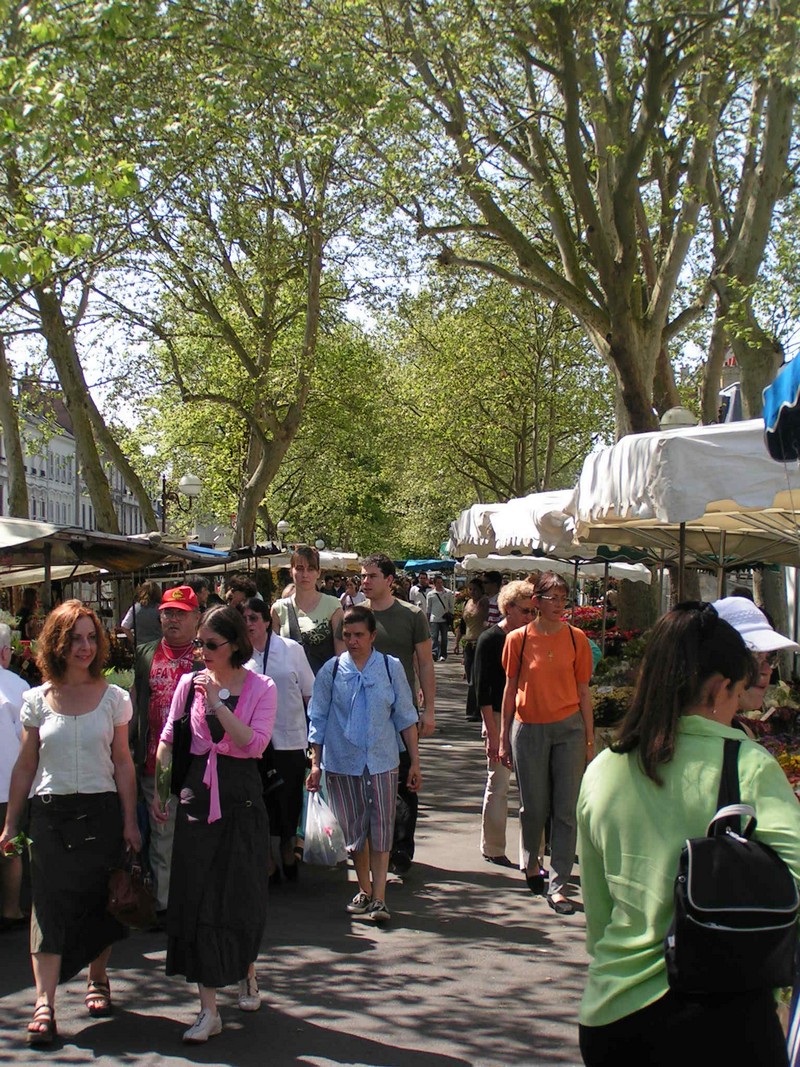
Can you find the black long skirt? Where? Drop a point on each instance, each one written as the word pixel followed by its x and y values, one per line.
pixel 218 880
pixel 76 839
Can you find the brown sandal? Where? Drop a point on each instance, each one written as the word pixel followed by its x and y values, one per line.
pixel 98 999
pixel 42 1027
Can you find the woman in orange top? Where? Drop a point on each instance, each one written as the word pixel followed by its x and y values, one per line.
pixel 549 728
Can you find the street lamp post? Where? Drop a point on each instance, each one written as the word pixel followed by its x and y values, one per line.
pixel 189 486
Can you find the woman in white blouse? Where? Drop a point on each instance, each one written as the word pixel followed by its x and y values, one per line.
pixel 285 662
pixel 74 754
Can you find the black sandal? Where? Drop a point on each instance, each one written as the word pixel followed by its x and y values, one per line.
pixel 98 999
pixel 46 1028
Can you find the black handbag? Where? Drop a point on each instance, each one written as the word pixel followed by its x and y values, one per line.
pixel 736 904
pixel 181 746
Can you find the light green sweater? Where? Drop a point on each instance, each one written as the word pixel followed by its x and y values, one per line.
pixel 630 834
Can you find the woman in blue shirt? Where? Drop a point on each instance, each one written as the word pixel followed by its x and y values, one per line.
pixel 360 706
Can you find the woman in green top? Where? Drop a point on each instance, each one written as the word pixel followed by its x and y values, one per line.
pixel 308 616
pixel 639 802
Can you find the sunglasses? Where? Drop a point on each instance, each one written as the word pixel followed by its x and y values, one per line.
pixel 524 611
pixel 212 646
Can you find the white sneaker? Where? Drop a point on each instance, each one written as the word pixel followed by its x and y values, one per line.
pixel 249 996
pixel 205 1026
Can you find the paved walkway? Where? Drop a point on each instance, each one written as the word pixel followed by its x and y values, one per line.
pixel 472 970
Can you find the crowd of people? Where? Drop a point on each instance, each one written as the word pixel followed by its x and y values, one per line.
pixel 242 709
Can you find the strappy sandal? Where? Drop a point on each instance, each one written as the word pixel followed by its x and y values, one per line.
pixel 42 1027
pixel 98 999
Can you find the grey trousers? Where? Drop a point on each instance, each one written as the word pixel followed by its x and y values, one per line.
pixel 549 760
pixel 161 837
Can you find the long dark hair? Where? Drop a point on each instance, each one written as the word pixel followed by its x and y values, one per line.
pixel 687 647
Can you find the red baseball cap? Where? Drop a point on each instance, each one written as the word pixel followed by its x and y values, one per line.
pixel 181 597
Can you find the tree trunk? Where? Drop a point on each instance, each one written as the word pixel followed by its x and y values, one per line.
pixel 17 503
pixel 637 605
pixel 115 453
pixel 769 590
pixel 61 351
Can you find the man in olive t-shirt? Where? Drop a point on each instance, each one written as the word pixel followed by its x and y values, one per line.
pixel 402 632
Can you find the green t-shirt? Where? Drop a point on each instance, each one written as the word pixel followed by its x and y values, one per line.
pixel 401 628
pixel 630 835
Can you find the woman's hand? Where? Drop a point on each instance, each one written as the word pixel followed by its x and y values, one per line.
pixel 158 810
pixel 208 687
pixel 504 752
pixel 7 836
pixel 589 751
pixel 132 837
pixel 414 778
pixel 313 780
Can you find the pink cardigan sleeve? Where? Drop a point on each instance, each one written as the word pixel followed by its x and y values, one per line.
pixel 260 708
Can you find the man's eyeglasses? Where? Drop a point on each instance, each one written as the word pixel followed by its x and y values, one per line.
pixel 212 646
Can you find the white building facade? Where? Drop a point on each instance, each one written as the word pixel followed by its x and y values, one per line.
pixel 56 492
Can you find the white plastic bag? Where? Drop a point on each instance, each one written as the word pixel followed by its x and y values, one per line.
pixel 324 841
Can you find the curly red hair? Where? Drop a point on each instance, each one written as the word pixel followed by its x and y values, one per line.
pixel 54 641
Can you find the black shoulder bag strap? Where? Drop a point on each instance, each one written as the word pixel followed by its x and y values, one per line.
pixel 521 650
pixel 294 625
pixel 729 782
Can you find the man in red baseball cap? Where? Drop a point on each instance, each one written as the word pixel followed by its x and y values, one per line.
pixel 158 668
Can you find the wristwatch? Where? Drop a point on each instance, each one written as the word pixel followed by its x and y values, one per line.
pixel 224 694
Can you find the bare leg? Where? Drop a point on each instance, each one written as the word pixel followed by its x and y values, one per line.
pixel 208 998
pixel 379 862
pixel 46 969
pixel 361 862
pixel 98 968
pixel 12 880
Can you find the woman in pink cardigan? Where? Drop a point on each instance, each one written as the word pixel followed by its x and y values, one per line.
pixel 218 881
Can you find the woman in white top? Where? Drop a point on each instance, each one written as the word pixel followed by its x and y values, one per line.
pixel 308 616
pixel 74 754
pixel 285 758
pixel 352 595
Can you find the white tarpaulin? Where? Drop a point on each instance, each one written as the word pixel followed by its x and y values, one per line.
pixel 472 530
pixel 633 572
pixel 539 522
pixel 735 503
pixel 681 475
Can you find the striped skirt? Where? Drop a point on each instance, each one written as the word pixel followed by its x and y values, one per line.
pixel 365 807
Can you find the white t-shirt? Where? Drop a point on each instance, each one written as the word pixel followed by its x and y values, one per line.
pixel 75 750
pixel 289 669
pixel 12 690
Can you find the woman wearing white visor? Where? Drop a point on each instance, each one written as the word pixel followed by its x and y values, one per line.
pixel 762 640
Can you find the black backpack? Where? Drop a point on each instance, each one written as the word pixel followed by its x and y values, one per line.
pixel 736 904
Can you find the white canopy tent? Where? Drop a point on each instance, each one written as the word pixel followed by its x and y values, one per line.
pixel 710 490
pixel 633 572
pixel 539 522
pixel 472 531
